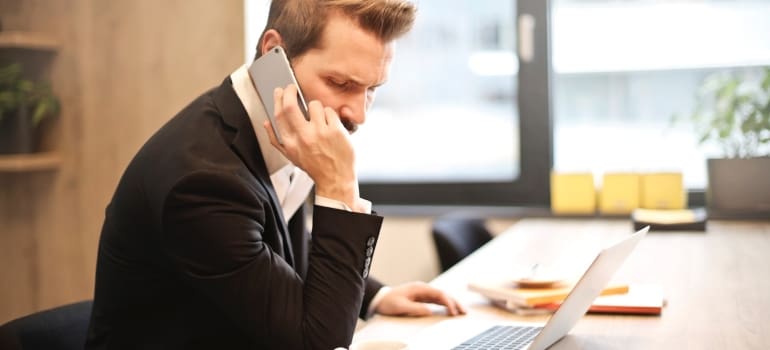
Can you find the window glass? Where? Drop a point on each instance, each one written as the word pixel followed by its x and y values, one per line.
pixel 448 112
pixel 623 69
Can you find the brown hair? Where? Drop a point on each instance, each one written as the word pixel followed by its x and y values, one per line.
pixel 301 22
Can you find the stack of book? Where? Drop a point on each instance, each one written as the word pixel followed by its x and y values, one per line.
pixel 670 219
pixel 615 298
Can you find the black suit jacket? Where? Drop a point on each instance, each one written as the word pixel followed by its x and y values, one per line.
pixel 195 252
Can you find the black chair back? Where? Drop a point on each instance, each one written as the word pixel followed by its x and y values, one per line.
pixel 61 328
pixel 457 237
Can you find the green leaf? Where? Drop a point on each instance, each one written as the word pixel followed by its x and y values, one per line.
pixel 17 92
pixel 704 138
pixel 8 100
pixel 766 80
pixel 39 113
pixel 9 74
pixel 733 111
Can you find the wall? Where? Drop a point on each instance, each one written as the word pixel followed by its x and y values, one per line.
pixel 124 67
pixel 405 249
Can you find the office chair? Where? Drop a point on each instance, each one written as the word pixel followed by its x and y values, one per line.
pixel 456 237
pixel 60 328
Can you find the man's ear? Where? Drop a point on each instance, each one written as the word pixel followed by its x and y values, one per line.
pixel 270 39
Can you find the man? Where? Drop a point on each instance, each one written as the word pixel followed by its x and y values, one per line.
pixel 196 250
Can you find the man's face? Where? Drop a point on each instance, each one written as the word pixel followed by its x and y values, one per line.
pixel 345 69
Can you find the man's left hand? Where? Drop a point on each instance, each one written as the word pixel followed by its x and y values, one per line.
pixel 410 300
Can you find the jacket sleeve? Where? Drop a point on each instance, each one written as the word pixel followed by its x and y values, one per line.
pixel 301 241
pixel 370 290
pixel 213 229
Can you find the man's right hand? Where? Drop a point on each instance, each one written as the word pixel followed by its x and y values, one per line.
pixel 321 146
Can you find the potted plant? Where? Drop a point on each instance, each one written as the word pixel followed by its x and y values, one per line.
pixel 24 104
pixel 733 113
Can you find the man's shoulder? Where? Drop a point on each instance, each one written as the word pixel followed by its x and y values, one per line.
pixel 195 140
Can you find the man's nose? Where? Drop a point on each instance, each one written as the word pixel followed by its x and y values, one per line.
pixel 354 111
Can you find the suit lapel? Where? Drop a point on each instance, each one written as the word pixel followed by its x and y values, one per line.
pixel 245 145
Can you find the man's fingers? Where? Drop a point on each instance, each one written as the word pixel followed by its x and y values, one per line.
pixel 291 110
pixel 460 307
pixel 454 308
pixel 278 111
pixel 415 309
pixel 333 119
pixel 317 113
pixel 432 295
pixel 450 305
pixel 278 100
pixel 271 135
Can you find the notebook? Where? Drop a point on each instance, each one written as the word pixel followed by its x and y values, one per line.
pixel 469 333
pixel 641 299
pixel 515 296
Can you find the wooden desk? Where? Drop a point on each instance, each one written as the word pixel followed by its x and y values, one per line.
pixel 717 284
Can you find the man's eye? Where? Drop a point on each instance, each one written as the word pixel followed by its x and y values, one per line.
pixel 339 84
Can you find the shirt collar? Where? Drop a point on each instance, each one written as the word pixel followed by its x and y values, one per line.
pixel 244 89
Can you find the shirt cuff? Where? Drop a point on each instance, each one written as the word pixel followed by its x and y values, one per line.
pixel 335 204
pixel 376 300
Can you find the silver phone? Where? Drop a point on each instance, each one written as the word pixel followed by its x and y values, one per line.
pixel 270 71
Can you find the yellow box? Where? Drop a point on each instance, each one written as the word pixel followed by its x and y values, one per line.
pixel 663 191
pixel 619 193
pixel 573 193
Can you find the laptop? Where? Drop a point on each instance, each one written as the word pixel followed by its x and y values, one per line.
pixel 469 333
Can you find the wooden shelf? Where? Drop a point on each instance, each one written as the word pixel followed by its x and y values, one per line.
pixel 30 162
pixel 27 40
pixel 18 163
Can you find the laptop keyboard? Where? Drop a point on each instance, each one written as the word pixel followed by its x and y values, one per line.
pixel 501 337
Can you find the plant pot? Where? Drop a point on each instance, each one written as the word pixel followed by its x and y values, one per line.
pixel 16 133
pixel 739 188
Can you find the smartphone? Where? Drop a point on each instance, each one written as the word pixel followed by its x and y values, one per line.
pixel 270 71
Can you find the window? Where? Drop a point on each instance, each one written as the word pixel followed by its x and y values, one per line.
pixel 623 69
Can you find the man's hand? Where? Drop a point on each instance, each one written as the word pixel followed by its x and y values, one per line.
pixel 321 146
pixel 409 300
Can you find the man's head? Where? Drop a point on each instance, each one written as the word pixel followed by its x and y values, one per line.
pixel 340 49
